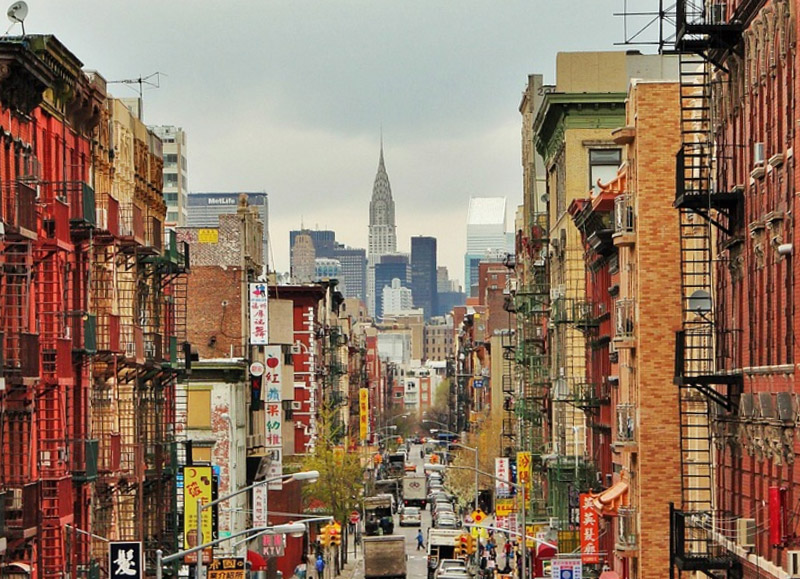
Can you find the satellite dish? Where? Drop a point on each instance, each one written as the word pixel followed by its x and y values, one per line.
pixel 17 12
pixel 700 302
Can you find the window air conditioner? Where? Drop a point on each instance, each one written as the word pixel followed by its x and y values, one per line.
pixel 296 405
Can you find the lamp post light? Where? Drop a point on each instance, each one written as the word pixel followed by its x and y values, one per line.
pixel 309 475
pixel 518 487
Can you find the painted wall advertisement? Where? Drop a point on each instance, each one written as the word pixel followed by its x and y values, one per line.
pixel 273 412
pixel 197 486
pixel 259 314
pixel 589 530
pixel 363 412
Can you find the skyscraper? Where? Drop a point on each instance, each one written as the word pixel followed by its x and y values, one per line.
pixel 423 274
pixel 486 237
pixel 324 240
pixel 382 234
pixel 353 260
pixel 303 267
pixel 176 182
pixel 388 268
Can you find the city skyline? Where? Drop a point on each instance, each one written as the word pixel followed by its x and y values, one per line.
pixel 304 124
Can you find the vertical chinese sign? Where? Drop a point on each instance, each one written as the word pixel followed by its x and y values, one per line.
pixel 259 314
pixel 196 486
pixel 524 470
pixel 502 471
pixel 260 506
pixel 363 412
pixel 271 391
pixel 589 531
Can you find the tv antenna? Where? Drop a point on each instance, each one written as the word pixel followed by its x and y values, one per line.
pixel 151 80
pixel 16 14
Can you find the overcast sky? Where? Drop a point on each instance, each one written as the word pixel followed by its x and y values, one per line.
pixel 289 97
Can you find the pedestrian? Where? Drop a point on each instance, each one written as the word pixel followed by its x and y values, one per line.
pixel 420 540
pixel 320 566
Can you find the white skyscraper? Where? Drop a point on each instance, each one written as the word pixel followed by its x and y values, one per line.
pixel 176 181
pixel 382 233
pixel 486 235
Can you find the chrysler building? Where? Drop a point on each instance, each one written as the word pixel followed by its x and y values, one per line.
pixel 382 235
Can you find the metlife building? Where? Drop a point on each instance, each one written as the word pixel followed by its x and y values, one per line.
pixel 204 210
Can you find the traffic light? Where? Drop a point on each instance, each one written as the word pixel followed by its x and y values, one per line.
pixel 335 534
pixel 470 544
pixel 457 552
pixel 324 536
pixel 465 542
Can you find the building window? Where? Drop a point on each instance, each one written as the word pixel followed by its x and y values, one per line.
pixel 603 166
pixel 201 454
pixel 170 179
pixel 170 160
pixel 198 413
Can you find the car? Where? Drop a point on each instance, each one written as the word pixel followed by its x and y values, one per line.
pixel 453 574
pixel 445 565
pixel 447 524
pixel 411 517
pixel 411 467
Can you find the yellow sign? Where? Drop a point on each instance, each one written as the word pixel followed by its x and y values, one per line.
pixel 524 469
pixel 504 507
pixel 227 568
pixel 196 486
pixel 363 412
pixel 208 235
pixel 478 516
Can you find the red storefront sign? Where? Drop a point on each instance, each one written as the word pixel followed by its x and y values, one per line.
pixel 590 527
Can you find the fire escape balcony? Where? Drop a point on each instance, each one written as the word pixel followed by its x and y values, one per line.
pixel 585 315
pixel 693 185
pixel 626 436
pixel 585 396
pixel 627 539
pixel 624 221
pixel 705 27
pixel 18 211
pixel 625 323
pixel 84 332
pixel 56 225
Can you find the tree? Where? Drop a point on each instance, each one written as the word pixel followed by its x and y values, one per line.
pixel 487 441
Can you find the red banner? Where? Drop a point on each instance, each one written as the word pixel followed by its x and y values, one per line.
pixel 590 527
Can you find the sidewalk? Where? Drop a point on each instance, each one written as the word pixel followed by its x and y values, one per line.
pixel 354 563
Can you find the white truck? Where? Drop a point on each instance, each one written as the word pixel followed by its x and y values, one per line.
pixel 441 545
pixel 414 491
pixel 385 557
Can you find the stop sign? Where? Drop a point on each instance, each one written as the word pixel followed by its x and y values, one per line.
pixel 354 517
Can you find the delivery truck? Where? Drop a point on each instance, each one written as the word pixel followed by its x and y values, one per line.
pixel 385 557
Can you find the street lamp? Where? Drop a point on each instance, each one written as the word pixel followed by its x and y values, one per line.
pixel 520 488
pixel 276 529
pixel 309 475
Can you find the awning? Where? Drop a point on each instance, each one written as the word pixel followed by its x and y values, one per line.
pixel 545 551
pixel 257 562
pixel 610 500
pixel 609 575
pixel 18 566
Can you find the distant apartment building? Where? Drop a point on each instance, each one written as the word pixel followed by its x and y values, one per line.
pixel 439 339
pixel 423 274
pixel 176 173
pixel 389 267
pixel 396 299
pixel 327 268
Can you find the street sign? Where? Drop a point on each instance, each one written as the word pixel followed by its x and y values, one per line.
pixel 478 516
pixel 566 569
pixel 227 568
pixel 355 517
pixel 125 559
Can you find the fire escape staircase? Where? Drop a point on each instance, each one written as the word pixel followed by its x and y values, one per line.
pixel 704 38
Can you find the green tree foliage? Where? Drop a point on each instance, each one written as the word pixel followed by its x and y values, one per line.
pixel 340 476
pixel 487 441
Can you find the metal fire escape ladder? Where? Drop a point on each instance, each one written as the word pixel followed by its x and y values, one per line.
pixel 703 38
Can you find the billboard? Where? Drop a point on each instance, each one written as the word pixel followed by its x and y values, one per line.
pixel 197 485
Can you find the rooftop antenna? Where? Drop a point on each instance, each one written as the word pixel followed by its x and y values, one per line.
pixel 16 14
pixel 152 80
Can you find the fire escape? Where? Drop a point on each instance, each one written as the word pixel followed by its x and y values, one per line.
pixel 705 35
pixel 527 396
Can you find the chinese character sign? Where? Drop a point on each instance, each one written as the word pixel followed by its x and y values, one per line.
pixel 227 568
pixel 125 560
pixel 363 412
pixel 273 545
pixel 502 471
pixel 524 469
pixel 260 506
pixel 259 314
pixel 273 371
pixel 196 485
pixel 589 530
pixel 271 392
pixel 275 469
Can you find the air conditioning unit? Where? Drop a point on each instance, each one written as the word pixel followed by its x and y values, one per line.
pixel 296 405
pixel 295 349
pixel 299 424
pixel 793 564
pixel 746 532
pixel 758 154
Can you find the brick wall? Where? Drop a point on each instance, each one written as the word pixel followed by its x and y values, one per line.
pixel 214 328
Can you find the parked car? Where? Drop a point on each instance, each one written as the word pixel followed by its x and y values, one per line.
pixel 411 517
pixel 446 565
pixel 411 467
